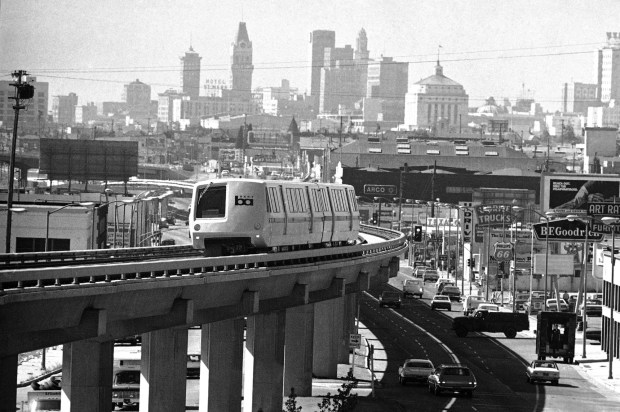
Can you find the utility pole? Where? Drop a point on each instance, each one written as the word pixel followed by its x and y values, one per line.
pixel 340 138
pixel 562 138
pixel 22 91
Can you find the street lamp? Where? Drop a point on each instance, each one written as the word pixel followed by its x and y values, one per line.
pixel 516 209
pixel 611 222
pixel 547 216
pixel 47 220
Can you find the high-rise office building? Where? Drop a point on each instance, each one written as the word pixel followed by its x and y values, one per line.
pixel 387 81
pixel 63 109
pixel 609 68
pixel 577 97
pixel 190 73
pixel 241 64
pixel 319 41
pixel 32 119
pixel 137 95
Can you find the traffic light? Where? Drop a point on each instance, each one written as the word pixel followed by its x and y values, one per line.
pixel 469 262
pixel 374 218
pixel 417 233
pixel 501 266
pixel 473 262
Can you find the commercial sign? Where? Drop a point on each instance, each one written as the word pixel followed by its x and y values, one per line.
pixel 565 230
pixel 570 193
pixel 383 190
pixel 604 209
pixel 599 227
pixel 467 225
pixel 494 216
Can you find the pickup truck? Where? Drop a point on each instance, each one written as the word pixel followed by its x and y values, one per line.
pixel 415 370
pixel 485 321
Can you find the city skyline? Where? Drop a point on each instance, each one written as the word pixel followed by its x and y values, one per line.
pixel 94 49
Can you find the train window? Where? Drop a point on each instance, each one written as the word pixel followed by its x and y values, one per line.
pixel 352 199
pixel 273 204
pixel 303 200
pixel 211 202
pixel 317 198
pixel 289 198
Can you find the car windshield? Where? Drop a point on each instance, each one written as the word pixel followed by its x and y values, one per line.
pixel 440 297
pixel 419 364
pixel 456 371
pixel 545 365
pixel 128 377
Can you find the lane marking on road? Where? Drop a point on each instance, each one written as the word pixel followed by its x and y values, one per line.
pixel 433 337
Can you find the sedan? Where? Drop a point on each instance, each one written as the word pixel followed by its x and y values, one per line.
pixel 552 305
pixel 540 370
pixel 452 378
pixel 416 370
pixel 441 302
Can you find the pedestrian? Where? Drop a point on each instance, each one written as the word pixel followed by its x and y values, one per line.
pixel 565 296
pixel 555 339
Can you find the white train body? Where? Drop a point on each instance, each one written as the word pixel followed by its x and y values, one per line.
pixel 230 216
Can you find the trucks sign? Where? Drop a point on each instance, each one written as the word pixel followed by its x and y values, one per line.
pixel 380 190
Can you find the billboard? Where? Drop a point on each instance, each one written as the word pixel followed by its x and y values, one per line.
pixel 63 159
pixel 570 193
pixel 491 216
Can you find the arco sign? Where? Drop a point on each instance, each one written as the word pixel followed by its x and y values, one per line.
pixel 381 190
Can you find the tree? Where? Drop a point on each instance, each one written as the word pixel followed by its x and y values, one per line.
pixel 291 403
pixel 344 400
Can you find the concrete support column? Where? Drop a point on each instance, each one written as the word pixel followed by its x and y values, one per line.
pixel 350 313
pixel 87 376
pixel 264 362
pixel 328 327
pixel 221 368
pixel 298 350
pixel 8 383
pixel 164 370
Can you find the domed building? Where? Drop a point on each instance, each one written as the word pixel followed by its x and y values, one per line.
pixel 490 108
pixel 435 102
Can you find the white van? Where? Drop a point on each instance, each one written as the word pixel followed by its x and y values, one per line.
pixel 126 376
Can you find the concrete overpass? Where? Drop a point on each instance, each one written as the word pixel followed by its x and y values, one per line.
pixel 297 309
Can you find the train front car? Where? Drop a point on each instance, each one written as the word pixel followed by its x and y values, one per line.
pixel 227 216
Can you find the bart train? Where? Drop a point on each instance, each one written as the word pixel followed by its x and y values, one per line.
pixel 239 216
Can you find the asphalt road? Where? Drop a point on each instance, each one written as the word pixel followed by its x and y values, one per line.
pixel 497 362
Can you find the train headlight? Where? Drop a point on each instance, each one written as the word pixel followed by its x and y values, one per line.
pixel 196 227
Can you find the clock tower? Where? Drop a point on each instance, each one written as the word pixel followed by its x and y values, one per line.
pixel 241 64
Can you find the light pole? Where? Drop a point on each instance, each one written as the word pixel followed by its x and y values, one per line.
pixel 514 256
pixel 12 210
pixel 584 273
pixel 47 220
pixel 611 222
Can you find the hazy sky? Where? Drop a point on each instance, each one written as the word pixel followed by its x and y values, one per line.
pixel 492 47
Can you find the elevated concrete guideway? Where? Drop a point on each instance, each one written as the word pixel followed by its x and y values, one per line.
pixel 285 302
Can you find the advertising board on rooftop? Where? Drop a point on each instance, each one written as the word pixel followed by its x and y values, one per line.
pixel 570 193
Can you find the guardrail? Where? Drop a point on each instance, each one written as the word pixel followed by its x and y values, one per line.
pixel 18 281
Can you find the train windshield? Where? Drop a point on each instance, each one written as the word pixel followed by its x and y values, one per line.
pixel 211 202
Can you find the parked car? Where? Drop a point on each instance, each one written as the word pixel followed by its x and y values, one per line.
pixel 593 334
pixel 471 303
pixel 453 292
pixel 413 287
pixel 552 305
pixel 430 275
pixel 415 370
pixel 543 370
pixel 593 308
pixel 51 383
pixel 441 302
pixel 452 378
pixel 390 298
